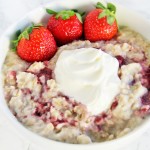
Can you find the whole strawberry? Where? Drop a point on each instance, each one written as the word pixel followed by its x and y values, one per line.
pixel 35 43
pixel 100 23
pixel 65 25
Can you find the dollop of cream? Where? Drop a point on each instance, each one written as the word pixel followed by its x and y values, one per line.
pixel 89 76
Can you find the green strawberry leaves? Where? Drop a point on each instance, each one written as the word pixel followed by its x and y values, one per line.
pixel 49 11
pixel 111 7
pixel 108 12
pixel 79 17
pixel 110 20
pixel 100 5
pixel 25 34
pixel 66 14
pixel 102 14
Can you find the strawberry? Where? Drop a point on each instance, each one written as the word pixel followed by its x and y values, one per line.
pixel 35 43
pixel 65 25
pixel 100 23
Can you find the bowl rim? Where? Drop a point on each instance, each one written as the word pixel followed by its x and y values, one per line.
pixel 33 137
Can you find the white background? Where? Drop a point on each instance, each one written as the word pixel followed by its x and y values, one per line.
pixel 12 10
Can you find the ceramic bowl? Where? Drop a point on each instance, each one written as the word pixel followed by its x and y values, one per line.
pixel 124 16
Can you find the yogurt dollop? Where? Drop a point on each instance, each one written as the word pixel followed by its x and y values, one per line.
pixel 89 76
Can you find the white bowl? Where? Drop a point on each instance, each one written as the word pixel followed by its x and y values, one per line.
pixel 125 17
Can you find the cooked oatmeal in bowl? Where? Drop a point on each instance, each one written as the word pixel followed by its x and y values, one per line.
pixel 33 96
pixel 83 91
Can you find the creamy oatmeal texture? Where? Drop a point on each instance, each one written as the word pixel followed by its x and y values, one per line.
pixel 33 94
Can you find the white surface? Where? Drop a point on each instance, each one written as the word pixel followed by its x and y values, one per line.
pixel 10 11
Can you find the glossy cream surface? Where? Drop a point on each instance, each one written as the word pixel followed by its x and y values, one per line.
pixel 89 76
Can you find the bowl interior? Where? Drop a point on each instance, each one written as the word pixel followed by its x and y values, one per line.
pixel 124 16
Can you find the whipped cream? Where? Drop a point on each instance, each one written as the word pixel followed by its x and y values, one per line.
pixel 89 76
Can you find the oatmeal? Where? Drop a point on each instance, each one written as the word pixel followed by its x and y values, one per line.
pixel 33 95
